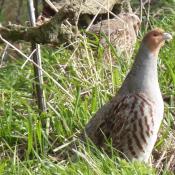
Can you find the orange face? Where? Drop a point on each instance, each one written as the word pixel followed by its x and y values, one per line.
pixel 155 39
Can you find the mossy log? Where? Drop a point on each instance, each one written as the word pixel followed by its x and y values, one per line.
pixel 55 31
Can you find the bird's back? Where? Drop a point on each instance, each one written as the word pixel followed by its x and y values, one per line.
pixel 129 123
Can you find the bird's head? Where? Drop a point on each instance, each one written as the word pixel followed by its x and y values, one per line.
pixel 155 39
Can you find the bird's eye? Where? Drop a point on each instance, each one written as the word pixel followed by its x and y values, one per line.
pixel 155 34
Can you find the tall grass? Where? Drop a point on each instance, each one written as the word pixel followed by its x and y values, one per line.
pixel 89 80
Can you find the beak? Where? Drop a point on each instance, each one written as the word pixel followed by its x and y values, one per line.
pixel 167 37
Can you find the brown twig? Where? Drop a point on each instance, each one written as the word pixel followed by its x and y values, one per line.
pixel 4 55
pixel 37 72
pixel 147 16
pixel 48 2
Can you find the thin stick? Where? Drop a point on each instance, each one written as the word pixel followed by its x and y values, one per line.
pixel 51 5
pixel 4 55
pixel 170 161
pixel 28 59
pixel 141 10
pixel 87 29
pixel 161 158
pixel 37 59
pixel 148 15
pixel 103 7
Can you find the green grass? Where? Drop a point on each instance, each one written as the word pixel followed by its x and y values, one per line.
pixel 87 82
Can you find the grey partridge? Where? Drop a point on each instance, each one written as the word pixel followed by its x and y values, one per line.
pixel 133 117
pixel 122 31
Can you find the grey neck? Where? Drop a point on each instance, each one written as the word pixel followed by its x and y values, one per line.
pixel 145 64
pixel 143 75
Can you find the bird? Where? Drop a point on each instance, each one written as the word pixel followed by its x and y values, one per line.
pixel 132 118
pixel 122 31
